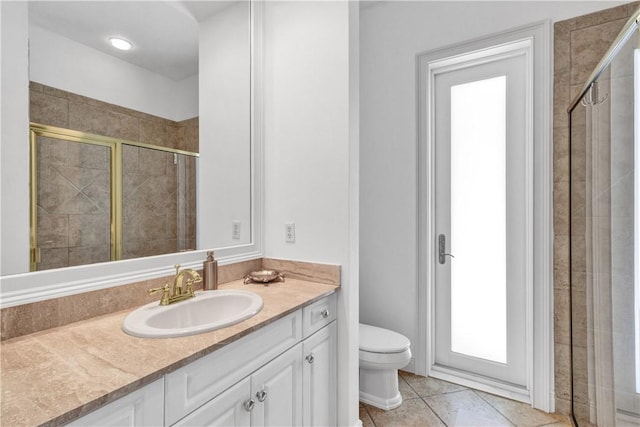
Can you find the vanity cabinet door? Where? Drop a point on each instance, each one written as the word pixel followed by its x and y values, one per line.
pixel 143 407
pixel 231 408
pixel 319 378
pixel 193 385
pixel 277 391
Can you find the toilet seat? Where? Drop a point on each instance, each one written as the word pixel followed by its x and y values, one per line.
pixel 379 340
pixel 384 360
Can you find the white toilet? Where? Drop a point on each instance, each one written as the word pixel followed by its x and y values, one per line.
pixel 382 353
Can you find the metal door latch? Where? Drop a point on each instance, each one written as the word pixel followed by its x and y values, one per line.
pixel 442 247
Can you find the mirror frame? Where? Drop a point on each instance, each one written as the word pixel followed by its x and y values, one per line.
pixel 31 287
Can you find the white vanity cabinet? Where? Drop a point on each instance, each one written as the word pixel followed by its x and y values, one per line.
pixel 271 396
pixel 319 378
pixel 296 389
pixel 283 374
pixel 276 390
pixel 143 407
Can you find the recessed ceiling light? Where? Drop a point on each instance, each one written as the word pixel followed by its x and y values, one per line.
pixel 120 43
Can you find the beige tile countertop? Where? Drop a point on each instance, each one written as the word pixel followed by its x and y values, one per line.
pixel 57 375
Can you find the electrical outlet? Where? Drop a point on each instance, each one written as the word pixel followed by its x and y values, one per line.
pixel 235 230
pixel 290 232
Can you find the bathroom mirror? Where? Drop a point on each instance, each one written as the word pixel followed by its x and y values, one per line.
pixel 148 95
pixel 229 167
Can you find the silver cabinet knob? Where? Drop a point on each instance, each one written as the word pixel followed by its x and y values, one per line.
pixel 249 404
pixel 310 358
pixel 261 395
pixel 325 313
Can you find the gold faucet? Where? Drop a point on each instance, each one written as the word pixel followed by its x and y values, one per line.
pixel 177 292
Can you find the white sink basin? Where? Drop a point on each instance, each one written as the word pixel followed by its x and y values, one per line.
pixel 207 311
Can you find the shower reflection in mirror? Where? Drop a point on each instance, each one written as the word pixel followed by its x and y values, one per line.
pixel 97 199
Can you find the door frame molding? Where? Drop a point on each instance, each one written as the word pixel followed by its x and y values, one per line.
pixel 535 39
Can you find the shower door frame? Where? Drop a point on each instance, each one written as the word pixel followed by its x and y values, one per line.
pixel 116 171
pixel 539 390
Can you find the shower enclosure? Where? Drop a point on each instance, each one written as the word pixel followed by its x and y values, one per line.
pixel 605 239
pixel 97 199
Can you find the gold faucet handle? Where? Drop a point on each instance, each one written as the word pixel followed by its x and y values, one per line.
pixel 189 290
pixel 165 293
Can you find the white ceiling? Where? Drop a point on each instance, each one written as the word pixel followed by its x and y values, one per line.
pixel 164 33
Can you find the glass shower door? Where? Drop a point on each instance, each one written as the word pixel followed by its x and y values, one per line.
pixel 72 201
pixel 605 249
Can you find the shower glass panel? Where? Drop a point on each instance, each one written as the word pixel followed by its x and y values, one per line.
pixel 159 202
pixel 73 202
pixel 605 256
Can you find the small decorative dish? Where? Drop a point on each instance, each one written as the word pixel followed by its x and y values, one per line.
pixel 263 276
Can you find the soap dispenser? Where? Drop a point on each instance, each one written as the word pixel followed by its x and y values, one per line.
pixel 210 273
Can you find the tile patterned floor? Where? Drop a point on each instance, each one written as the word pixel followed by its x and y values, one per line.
pixel 430 402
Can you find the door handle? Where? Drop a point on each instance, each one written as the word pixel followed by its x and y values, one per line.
pixel 442 248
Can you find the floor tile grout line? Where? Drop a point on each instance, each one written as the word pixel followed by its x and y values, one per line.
pixel 434 412
pixel 491 405
pixel 370 417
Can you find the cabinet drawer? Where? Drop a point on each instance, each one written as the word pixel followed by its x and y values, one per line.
pixel 318 315
pixel 195 384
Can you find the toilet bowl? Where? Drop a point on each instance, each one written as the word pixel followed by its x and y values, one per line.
pixel 382 353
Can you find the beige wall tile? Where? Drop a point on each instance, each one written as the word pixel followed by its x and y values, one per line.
pixel 305 270
pixel 236 271
pixel 561 154
pixel 601 17
pixel 122 126
pixel 561 99
pixel 48 110
pixel 562 47
pixel 89 254
pixel 156 133
pixel 53 231
pixel 561 208
pixel 53 258
pixel 561 316
pixel 590 42
pixel 563 371
pixel 87 118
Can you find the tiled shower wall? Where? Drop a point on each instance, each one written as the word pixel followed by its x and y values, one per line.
pixel 74 227
pixel 579 44
pixel 55 107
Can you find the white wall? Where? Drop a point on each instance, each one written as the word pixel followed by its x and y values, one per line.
pixel 309 156
pixel 14 149
pixel 225 137
pixel 60 62
pixel 391 34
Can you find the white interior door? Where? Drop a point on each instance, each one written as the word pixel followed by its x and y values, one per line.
pixel 481 220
